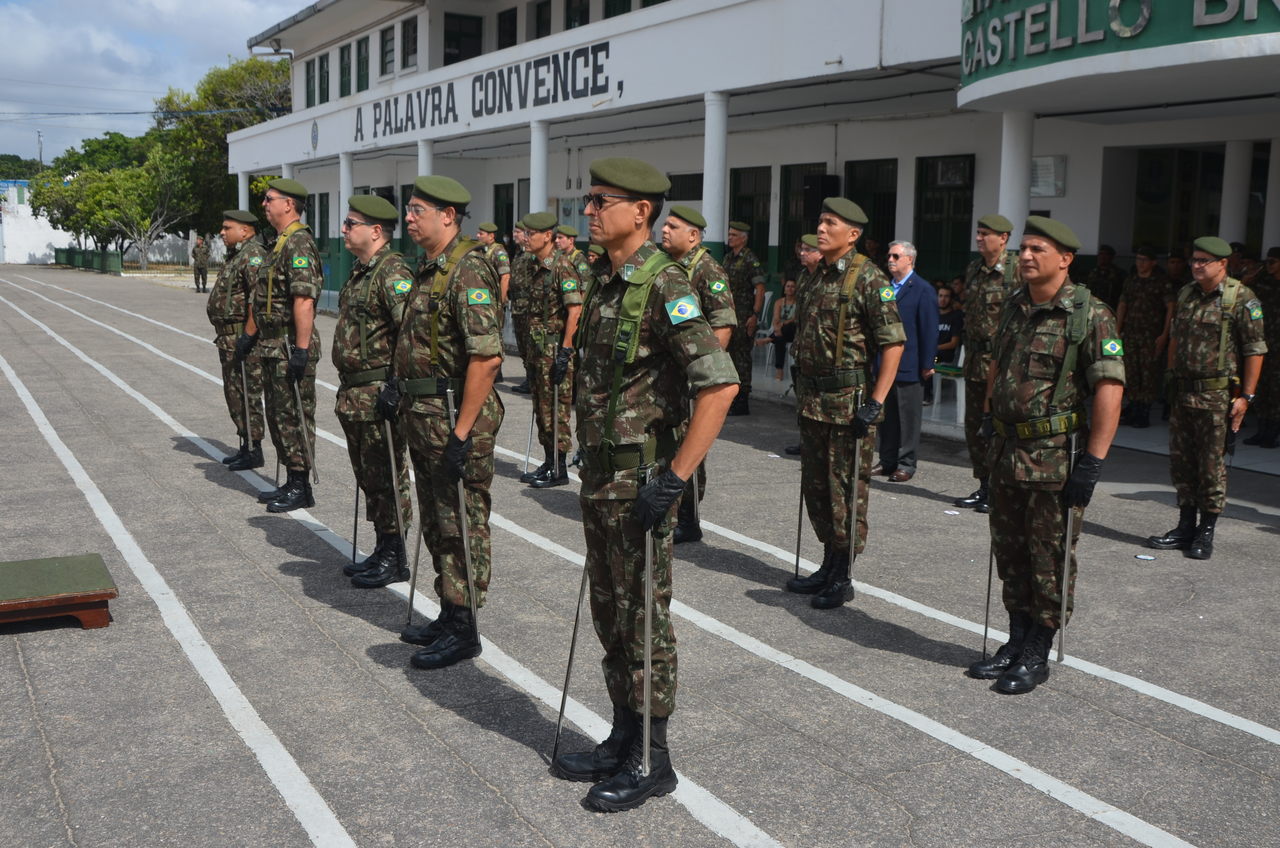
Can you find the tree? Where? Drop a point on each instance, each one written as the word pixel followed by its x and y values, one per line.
pixel 71 203
pixel 14 167
pixel 141 204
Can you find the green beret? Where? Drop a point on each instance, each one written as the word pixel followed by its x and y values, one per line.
pixel 293 188
pixel 1038 225
pixel 566 230
pixel 595 250
pixel 996 223
pixel 1213 246
pixel 488 227
pixel 847 209
pixel 441 190
pixel 373 207
pixel 630 175
pixel 540 221
pixel 1147 252
pixel 740 226
pixel 240 215
pixel 809 240
pixel 692 216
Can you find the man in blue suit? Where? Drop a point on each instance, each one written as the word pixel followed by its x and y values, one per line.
pixel 918 306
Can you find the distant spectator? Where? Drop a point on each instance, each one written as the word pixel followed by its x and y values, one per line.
pixel 957 292
pixel 783 329
pixel 950 332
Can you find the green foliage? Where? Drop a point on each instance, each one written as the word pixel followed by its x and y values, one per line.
pixel 14 167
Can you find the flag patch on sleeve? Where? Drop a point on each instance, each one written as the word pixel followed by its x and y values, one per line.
pixel 478 297
pixel 301 262
pixel 682 309
pixel 886 294
pixel 401 286
pixel 1112 347
pixel 569 285
pixel 719 286
pixel 255 261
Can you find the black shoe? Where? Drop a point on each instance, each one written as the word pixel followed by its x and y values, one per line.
pixel 390 567
pixel 740 406
pixel 458 641
pixel 252 459
pixel 295 494
pixel 688 529
pixel 426 634
pixel 604 760
pixel 996 665
pixel 814 582
pixel 552 479
pixel 1202 546
pixel 1180 537
pixel 351 569
pixel 792 450
pixel 244 449
pixel 541 470
pixel 628 789
pixel 977 499
pixel 522 389
pixel 839 588
pixel 1032 667
pixel 270 495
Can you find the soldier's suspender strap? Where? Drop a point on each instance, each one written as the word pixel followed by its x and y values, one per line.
pixel 363 300
pixel 1077 329
pixel 846 294
pixel 275 251
pixel 462 248
pixel 1230 290
pixel 693 262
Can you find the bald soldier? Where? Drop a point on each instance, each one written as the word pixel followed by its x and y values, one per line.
pixel 228 309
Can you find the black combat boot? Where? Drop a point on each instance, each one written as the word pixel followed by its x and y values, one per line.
pixel 523 388
pixel 351 569
pixel 1141 418
pixel 244 449
pixel 628 789
pixel 1202 546
pixel 294 494
pixel 1180 537
pixel 252 459
pixel 997 664
pixel 688 529
pixel 557 477
pixel 604 760
pixel 814 582
pixel 540 471
pixel 977 500
pixel 457 641
pixel 839 587
pixel 425 634
pixel 1032 666
pixel 389 568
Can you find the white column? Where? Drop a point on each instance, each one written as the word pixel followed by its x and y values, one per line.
pixel 1271 209
pixel 286 170
pixel 426 157
pixel 1015 168
pixel 1235 190
pixel 346 184
pixel 538 140
pixel 715 166
pixel 242 190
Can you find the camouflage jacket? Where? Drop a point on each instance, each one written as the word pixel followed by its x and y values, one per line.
pixel 497 256
pixel 467 312
pixel 711 284
pixel 519 285
pixel 554 286
pixel 292 269
pixel 745 273
pixel 228 302
pixel 871 321
pixel 1145 300
pixel 1197 330
pixel 677 356
pixel 1105 284
pixel 985 289
pixel 1030 346
pixel 371 303
pixel 200 255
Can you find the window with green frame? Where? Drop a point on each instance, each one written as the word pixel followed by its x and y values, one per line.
pixel 387 52
pixel 576 13
pixel 613 8
pixel 310 71
pixel 344 70
pixel 362 64
pixel 322 80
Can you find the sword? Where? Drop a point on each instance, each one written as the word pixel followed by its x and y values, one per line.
pixel 696 493
pixel 528 449
pixel 799 526
pixel 462 519
pixel 986 615
pixel 568 669
pixel 395 475
pixel 244 387
pixel 1066 559
pixel 648 646
pixel 854 479
pixel 306 438
pixel 355 524
pixel 555 430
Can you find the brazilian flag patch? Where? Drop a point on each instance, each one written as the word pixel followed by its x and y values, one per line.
pixel 1112 347
pixel 401 286
pixel 569 285
pixel 682 309
pixel 886 294
pixel 478 297
pixel 301 262
pixel 719 286
pixel 1255 309
pixel 255 261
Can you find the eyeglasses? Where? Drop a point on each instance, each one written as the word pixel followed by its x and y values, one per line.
pixel 270 198
pixel 896 255
pixel 597 199
pixel 352 223
pixel 416 209
pixel 1205 260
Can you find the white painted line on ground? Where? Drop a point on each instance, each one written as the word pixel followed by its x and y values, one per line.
pixel 705 807
pixel 308 807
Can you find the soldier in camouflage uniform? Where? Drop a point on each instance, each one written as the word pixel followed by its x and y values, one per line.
pixel 746 283
pixel 282 326
pixel 682 241
pixel 1105 281
pixel 1267 286
pixel 555 299
pixel 632 472
pixel 565 241
pixel 838 405
pixel 988 280
pixel 1146 308
pixel 518 295
pixel 450 339
pixel 487 234
pixel 1216 348
pixel 200 263
pixel 227 308
pixel 1040 382
pixel 370 311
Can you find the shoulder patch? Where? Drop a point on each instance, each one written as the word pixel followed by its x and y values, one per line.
pixel 478 297
pixel 886 294
pixel 1112 347
pixel 1255 309
pixel 718 286
pixel 682 309
pixel 301 262
pixel 569 285
pixel 255 261
pixel 401 286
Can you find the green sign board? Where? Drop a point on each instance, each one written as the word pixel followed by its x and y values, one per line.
pixel 999 36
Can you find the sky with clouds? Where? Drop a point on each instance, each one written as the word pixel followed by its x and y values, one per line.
pixel 87 56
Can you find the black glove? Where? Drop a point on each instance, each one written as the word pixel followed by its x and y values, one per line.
pixel 655 498
pixel 297 364
pixel 987 429
pixel 1079 487
pixel 244 344
pixel 455 457
pixel 564 355
pixel 865 417
pixel 389 400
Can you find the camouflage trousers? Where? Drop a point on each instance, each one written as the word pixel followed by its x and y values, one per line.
pixel 615 569
pixel 201 276
pixel 427 435
pixel 1028 531
pixel 233 391
pixel 975 392
pixel 826 468
pixel 520 326
pixel 542 394
pixel 1197 455
pixel 741 347
pixel 282 411
pixel 371 463
pixel 1142 368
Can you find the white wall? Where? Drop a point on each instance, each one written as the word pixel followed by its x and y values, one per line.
pixel 26 239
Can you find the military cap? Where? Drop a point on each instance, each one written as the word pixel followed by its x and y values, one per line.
pixel 740 226
pixel 373 207
pixel 996 223
pixel 488 227
pixel 540 221
pixel 690 215
pixel 293 188
pixel 1038 225
pixel 1213 246
pixel 847 209
pixel 1273 253
pixel 595 250
pixel 240 215
pixel 809 240
pixel 442 190
pixel 1238 247
pixel 630 175
pixel 1106 248
pixel 566 230
pixel 1147 252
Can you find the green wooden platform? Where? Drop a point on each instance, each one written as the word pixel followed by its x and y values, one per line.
pixel 78 586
